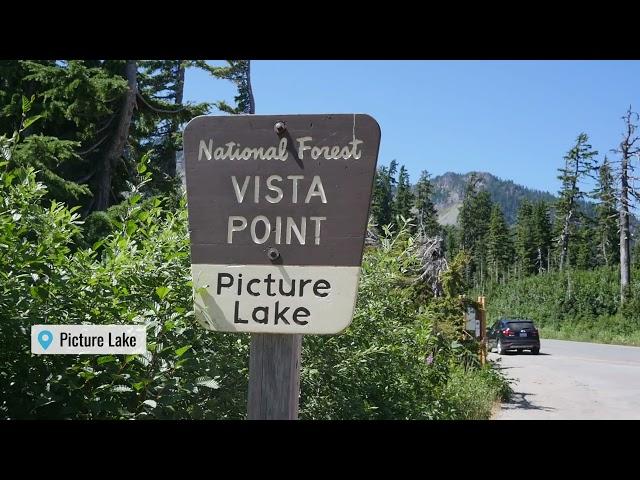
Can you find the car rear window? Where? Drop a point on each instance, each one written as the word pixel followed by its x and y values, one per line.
pixel 519 325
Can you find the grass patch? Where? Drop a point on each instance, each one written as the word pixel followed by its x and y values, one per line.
pixel 473 395
pixel 580 333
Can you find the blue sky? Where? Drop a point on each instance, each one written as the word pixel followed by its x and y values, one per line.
pixel 515 119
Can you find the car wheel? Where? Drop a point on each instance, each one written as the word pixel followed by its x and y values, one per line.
pixel 499 349
pixel 535 351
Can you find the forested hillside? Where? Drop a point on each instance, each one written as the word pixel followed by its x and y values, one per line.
pixel 448 195
pixel 449 188
pixel 521 242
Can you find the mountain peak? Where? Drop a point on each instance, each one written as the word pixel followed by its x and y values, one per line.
pixel 449 191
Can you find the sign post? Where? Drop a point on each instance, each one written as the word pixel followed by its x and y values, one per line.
pixel 482 328
pixel 274 376
pixel 278 211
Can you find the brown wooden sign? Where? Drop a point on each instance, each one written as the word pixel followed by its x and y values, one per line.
pixel 278 210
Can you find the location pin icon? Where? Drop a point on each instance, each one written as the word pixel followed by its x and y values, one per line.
pixel 45 338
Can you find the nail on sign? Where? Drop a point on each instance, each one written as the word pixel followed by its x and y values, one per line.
pixel 278 211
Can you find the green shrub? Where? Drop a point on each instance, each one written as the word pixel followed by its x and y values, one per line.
pixel 473 395
pixel 97 226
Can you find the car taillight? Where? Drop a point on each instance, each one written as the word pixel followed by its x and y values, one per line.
pixel 535 333
pixel 508 332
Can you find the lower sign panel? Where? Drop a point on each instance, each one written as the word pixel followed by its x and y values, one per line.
pixel 275 298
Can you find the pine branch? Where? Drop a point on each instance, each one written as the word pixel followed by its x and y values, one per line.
pixel 106 124
pixel 86 177
pixel 159 110
pixel 91 149
pixel 225 107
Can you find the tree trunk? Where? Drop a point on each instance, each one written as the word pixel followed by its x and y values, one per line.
pixel 625 263
pixel 252 103
pixel 627 151
pixel 119 140
pixel 564 252
pixel 564 241
pixel 540 266
pixel 175 125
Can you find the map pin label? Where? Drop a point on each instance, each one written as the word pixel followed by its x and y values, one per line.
pixel 45 337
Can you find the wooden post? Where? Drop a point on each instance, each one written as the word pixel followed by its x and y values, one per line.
pixel 483 330
pixel 274 377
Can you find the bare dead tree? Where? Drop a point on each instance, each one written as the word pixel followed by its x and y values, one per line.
pixel 579 162
pixel 628 148
pixel 372 237
pixel 433 263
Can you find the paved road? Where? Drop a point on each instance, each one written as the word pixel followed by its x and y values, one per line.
pixel 572 380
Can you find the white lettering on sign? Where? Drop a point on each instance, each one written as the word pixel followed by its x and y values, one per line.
pixel 276 189
pixel 240 191
pixel 235 151
pixel 314 190
pixel 295 178
pixel 260 227
pixel 233 227
pixel 329 153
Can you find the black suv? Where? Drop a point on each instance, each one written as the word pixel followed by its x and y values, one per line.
pixel 516 334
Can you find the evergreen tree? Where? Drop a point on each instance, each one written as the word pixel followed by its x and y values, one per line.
pixel 427 213
pixel 238 72
pixel 392 182
pixel 466 220
pixel 404 198
pixel 636 255
pixel 584 254
pixel 499 245
pixel 482 207
pixel 542 236
pixel 608 240
pixel 451 236
pixel 525 244
pixel 579 162
pixel 473 219
pixel 76 102
pixel 382 205
pixel 161 116
pixel 97 118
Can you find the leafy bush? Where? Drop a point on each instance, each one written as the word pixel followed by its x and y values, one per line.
pixel 399 359
pixel 473 396
pixel 141 275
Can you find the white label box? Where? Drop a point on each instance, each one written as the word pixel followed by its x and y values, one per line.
pixel 88 339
